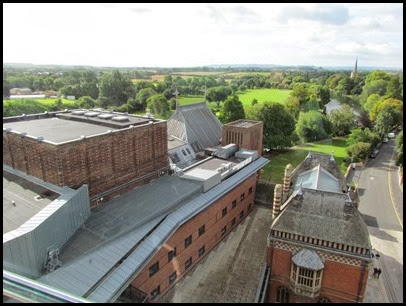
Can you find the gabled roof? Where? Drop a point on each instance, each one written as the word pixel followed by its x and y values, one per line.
pixel 317 178
pixel 323 215
pixel 327 163
pixel 195 123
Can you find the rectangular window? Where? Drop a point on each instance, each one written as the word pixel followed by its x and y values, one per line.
pixel 249 206
pixel 241 214
pixel 188 263
pixel 154 269
pixel 201 251
pixel 155 292
pixel 233 222
pixel 202 229
pixel 171 254
pixel 250 191
pixel 188 241
pixel 234 204
pixel 184 153
pixel 242 196
pixel 188 151
pixel 172 277
pixel 224 212
pixel 223 230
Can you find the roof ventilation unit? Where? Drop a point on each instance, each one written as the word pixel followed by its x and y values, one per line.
pixel 92 114
pixel 119 118
pixel 78 112
pixel 105 116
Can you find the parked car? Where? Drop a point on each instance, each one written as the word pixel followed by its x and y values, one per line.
pixel 374 153
pixel 391 135
pixel 385 140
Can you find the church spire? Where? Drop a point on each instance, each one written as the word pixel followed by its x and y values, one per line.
pixel 355 71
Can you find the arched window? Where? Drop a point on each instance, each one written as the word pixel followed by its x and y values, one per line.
pixel 323 300
pixel 282 295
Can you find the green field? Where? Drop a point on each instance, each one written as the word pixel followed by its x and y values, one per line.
pixel 274 171
pixel 44 101
pixel 183 100
pixel 263 95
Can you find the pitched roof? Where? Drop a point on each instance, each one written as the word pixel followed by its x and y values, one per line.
pixel 327 163
pixel 195 123
pixel 323 215
pixel 317 178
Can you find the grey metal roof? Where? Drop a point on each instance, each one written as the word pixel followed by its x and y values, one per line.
pixel 120 278
pixel 195 123
pixel 326 162
pixel 308 259
pixel 82 276
pixel 317 178
pixel 323 215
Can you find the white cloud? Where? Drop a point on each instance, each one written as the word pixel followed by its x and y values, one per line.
pixel 144 34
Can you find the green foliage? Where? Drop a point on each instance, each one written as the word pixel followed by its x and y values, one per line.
pixel 254 101
pixel 310 126
pixel 342 120
pixel 279 126
pixel 116 88
pixel 232 110
pixel 28 106
pixel 363 135
pixel 323 94
pixel 359 151
pixel 372 100
pixel 172 103
pixel 387 114
pixel 218 94
pixel 158 104
pixel 394 89
pixel 86 102
pixel 399 148
pixel 142 97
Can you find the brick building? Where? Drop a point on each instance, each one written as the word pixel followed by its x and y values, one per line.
pixel 318 246
pixel 247 134
pixel 110 152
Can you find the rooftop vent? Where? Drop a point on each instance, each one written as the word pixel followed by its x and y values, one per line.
pixel 92 114
pixel 78 113
pixel 105 116
pixel 120 118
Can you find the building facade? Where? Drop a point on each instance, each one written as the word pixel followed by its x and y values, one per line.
pixel 71 151
pixel 247 134
pixel 318 246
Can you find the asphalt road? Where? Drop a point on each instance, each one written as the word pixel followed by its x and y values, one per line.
pixel 381 204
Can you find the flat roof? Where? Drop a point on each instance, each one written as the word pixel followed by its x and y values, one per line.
pixel 215 163
pixel 55 129
pixel 23 192
pixel 243 123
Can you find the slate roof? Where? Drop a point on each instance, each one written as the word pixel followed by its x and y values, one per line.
pixel 308 259
pixel 323 215
pixel 327 163
pixel 195 123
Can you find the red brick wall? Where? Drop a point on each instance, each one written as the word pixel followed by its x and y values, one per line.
pixel 340 282
pixel 102 162
pixel 212 218
pixel 248 138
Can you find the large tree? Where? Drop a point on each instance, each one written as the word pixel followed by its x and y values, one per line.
pixel 362 135
pixel 310 126
pixel 279 126
pixel 218 94
pixel 115 88
pixel 158 104
pixel 342 120
pixel 232 110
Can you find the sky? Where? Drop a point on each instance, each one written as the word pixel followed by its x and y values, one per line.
pixel 189 35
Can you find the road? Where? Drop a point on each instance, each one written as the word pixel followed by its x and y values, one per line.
pixel 381 204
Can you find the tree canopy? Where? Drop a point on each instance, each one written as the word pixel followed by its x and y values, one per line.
pixel 232 110
pixel 342 120
pixel 311 126
pixel 115 88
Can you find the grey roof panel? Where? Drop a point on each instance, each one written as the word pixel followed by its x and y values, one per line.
pixel 149 246
pixel 308 259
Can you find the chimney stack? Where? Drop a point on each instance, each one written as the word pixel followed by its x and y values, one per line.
pixel 277 198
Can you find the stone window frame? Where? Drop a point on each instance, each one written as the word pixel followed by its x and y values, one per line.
pixel 282 295
pixel 303 279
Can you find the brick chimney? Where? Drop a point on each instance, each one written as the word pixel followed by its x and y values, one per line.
pixel 277 199
pixel 287 178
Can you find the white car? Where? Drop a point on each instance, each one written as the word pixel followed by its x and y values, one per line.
pixel 385 140
pixel 391 135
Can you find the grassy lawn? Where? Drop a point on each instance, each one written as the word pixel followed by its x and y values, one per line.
pixel 183 100
pixel 44 101
pixel 275 170
pixel 262 95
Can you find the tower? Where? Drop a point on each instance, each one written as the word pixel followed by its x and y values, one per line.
pixel 354 72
